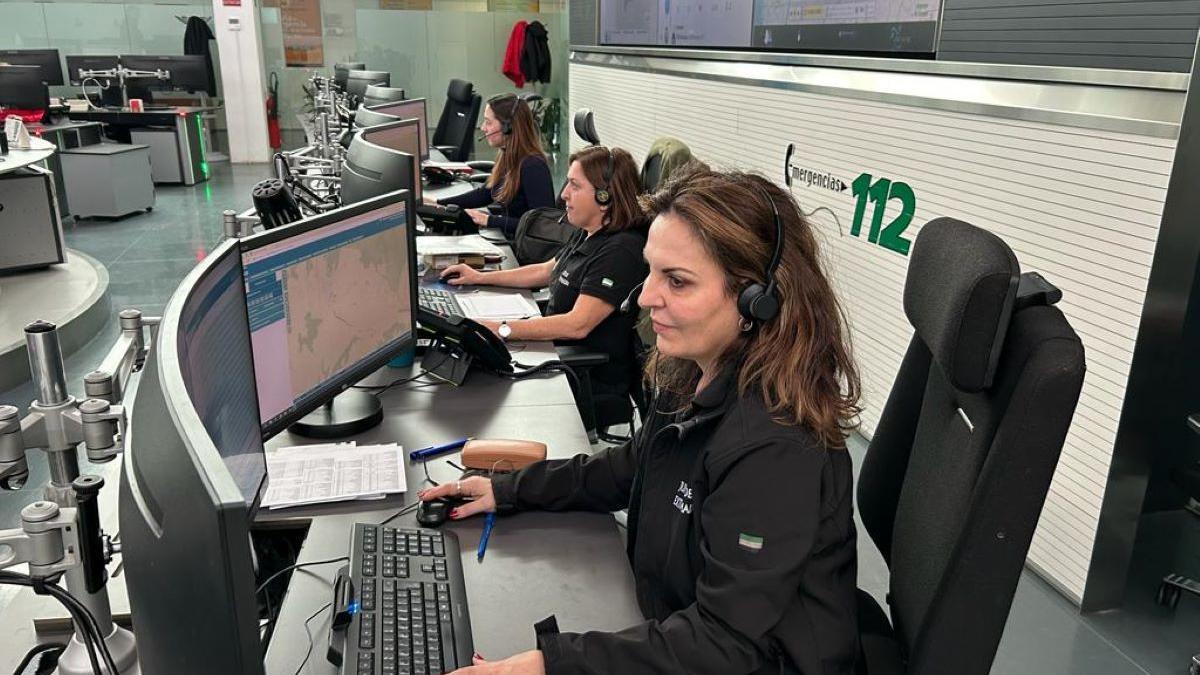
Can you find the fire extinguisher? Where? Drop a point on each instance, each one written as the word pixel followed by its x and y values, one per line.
pixel 273 111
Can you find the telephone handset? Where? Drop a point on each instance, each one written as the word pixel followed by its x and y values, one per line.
pixel 460 343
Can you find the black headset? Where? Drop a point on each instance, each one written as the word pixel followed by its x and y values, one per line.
pixel 760 302
pixel 603 196
pixel 506 123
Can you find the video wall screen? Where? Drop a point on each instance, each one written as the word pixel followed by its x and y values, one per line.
pixel 898 26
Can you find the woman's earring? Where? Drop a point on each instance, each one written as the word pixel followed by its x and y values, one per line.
pixel 746 325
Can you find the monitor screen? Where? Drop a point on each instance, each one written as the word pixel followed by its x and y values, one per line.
pixel 883 26
pixel 413 108
pixel 187 72
pixel 22 87
pixel 77 63
pixel 330 300
pixel 46 60
pixel 403 136
pixel 217 366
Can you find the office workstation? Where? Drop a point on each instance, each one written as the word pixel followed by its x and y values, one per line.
pixel 991 468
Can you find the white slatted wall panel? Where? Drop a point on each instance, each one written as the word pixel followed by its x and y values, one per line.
pixel 1082 207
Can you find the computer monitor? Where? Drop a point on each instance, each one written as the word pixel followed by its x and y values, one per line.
pixel 365 117
pixel 413 108
pixel 76 63
pixel 191 480
pixel 189 72
pixel 401 136
pixel 22 87
pixel 377 93
pixel 331 299
pixel 357 81
pixel 45 59
pixel 342 70
pixel 370 170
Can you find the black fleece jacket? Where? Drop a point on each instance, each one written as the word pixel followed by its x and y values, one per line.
pixel 741 538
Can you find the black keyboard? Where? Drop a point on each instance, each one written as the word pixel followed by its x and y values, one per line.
pixel 412 616
pixel 438 301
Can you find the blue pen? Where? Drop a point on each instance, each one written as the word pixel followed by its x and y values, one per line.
pixel 483 538
pixel 435 450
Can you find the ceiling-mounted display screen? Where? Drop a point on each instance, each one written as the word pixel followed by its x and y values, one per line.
pixel 777 25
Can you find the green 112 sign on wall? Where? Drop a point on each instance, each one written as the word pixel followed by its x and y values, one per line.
pixel 871 196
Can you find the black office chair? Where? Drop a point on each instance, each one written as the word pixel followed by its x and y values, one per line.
pixel 584 123
pixel 341 71
pixel 377 94
pixel 666 155
pixel 455 132
pixel 957 472
pixel 357 82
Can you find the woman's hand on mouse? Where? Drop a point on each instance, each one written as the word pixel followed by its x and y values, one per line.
pixel 429 200
pixel 477 489
pixel 461 275
pixel 525 663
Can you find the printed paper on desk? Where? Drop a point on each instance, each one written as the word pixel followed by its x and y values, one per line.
pixel 466 244
pixel 332 473
pixel 496 306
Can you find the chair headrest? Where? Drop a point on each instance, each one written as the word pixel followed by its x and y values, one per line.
pixel 460 90
pixel 585 126
pixel 959 296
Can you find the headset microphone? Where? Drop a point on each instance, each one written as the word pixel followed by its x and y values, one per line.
pixel 630 301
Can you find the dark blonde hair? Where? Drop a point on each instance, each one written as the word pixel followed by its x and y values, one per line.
pixel 799 362
pixel 623 211
pixel 522 141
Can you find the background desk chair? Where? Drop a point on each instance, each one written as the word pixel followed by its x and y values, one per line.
pixel 455 132
pixel 956 475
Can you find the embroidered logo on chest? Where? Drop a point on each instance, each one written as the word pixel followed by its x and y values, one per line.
pixel 683 498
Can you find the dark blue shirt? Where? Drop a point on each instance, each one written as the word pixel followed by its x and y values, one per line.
pixel 535 190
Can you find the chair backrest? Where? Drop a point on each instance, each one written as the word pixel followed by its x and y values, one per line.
pixel 665 156
pixel 584 123
pixel 957 471
pixel 341 72
pixel 376 94
pixel 456 126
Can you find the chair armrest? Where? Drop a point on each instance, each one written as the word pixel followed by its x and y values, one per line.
pixel 485 166
pixel 478 177
pixel 450 151
pixel 580 357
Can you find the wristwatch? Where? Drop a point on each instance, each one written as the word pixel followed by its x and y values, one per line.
pixel 505 330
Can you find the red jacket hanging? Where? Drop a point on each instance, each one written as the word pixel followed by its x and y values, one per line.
pixel 512 54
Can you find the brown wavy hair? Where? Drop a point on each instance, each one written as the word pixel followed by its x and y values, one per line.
pixel 800 362
pixel 623 211
pixel 524 141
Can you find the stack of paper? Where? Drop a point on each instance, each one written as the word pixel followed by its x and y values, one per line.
pixel 497 306
pixel 316 474
pixel 469 244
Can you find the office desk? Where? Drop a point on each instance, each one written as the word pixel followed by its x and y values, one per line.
pixel 66 135
pixel 175 137
pixel 30 225
pixel 572 565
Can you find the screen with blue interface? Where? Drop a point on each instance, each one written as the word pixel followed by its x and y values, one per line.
pixel 322 303
pixel 218 371
pixel 779 25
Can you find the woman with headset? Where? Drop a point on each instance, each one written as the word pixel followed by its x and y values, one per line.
pixel 592 274
pixel 741 531
pixel 520 179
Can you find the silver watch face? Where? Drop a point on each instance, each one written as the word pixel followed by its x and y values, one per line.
pixel 505 330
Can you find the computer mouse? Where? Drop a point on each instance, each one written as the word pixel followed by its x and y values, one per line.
pixel 452 275
pixel 433 513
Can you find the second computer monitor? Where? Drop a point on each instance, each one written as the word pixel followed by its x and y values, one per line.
pixel 401 136
pixel 357 81
pixel 22 87
pixel 413 108
pixel 331 299
pixel 46 60
pixel 77 63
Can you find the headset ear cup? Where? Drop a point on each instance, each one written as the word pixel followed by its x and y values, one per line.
pixel 603 197
pixel 746 300
pixel 754 303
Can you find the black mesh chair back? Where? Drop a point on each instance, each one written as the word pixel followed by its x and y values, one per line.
pixel 957 471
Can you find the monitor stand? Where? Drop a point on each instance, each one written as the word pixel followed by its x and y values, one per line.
pixel 350 412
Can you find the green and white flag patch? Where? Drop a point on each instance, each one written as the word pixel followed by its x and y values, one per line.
pixel 750 542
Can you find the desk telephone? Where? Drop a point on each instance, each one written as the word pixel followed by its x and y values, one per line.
pixel 459 343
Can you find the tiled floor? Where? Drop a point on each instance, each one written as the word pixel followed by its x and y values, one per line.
pixel 147 255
